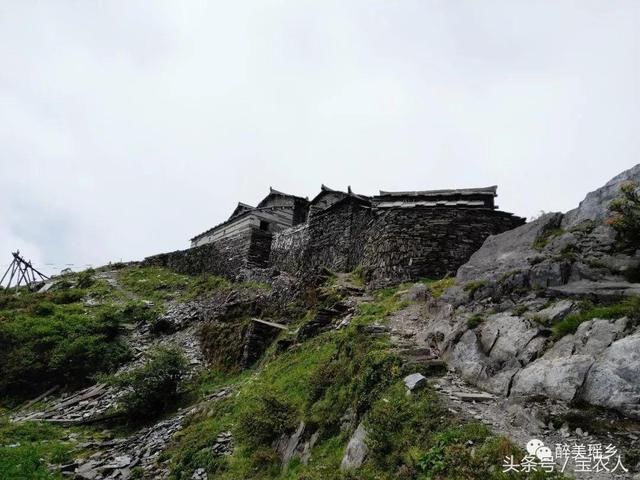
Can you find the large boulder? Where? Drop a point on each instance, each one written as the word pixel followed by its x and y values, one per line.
pixel 493 353
pixel 357 450
pixel 563 372
pixel 558 378
pixel 613 380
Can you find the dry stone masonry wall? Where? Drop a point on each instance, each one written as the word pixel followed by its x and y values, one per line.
pixel 393 244
pixel 226 257
pixel 411 243
pixel 334 239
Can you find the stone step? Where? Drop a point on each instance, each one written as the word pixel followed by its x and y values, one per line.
pixel 473 397
pixel 427 366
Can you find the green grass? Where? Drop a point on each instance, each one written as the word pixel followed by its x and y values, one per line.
pixel 438 287
pixel 359 276
pixel 472 287
pixel 49 344
pixel 159 284
pixel 386 301
pixel 546 236
pixel 39 444
pixel 318 382
pixel 629 308
pixel 474 320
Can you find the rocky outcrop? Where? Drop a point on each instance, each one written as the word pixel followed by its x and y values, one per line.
pixel 558 378
pixel 507 252
pixel 491 354
pixel 567 258
pixel 594 206
pixel 555 250
pixel 613 379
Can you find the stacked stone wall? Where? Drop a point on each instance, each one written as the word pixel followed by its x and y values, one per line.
pixel 226 257
pixel 288 248
pixel 411 243
pixel 333 239
pixel 392 244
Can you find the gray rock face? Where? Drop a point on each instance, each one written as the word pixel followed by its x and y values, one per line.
pixel 508 251
pixel 467 357
pixel 414 381
pixel 557 378
pixel 594 206
pixel 504 337
pixel 493 353
pixel 287 445
pixel 555 250
pixel 571 257
pixel 356 451
pixel 557 311
pixel 602 290
pixel 588 365
pixel 613 380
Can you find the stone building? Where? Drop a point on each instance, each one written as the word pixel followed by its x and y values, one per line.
pixel 327 197
pixel 275 212
pixel 394 236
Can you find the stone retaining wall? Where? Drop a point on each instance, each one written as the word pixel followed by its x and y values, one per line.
pixel 392 244
pixel 225 257
pixel 426 242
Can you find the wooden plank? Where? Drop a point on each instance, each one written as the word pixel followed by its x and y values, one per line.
pixel 76 399
pixel 271 324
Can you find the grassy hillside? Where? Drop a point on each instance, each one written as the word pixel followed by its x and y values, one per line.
pixel 332 382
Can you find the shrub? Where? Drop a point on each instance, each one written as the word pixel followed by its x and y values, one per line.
pixel 629 308
pixel 151 389
pixel 626 216
pixel 438 287
pixel 398 423
pixel 43 309
pixel 223 343
pixel 520 310
pixel 86 278
pixel 139 312
pixel 264 419
pixel 351 380
pixel 546 236
pixel 361 276
pixel 474 320
pixel 475 285
pixel 67 347
pixel 67 296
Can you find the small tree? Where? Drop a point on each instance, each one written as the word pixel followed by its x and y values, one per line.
pixel 151 389
pixel 626 216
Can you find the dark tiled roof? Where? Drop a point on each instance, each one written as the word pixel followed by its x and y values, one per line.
pixel 273 192
pixel 443 193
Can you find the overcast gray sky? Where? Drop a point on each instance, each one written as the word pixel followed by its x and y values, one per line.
pixel 127 127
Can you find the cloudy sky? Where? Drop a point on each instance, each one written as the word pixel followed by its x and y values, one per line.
pixel 127 127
